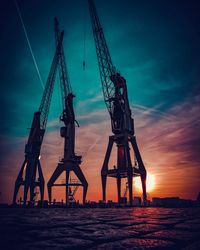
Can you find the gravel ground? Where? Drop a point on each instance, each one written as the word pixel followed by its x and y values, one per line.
pixel 100 228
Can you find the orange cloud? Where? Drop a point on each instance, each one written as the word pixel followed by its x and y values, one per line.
pixel 168 142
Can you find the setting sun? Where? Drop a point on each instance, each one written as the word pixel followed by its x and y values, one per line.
pixel 150 183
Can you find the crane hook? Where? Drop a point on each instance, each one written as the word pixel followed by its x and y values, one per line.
pixel 83 65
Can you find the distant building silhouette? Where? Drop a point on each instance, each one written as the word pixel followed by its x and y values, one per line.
pixel 198 198
pixel 172 202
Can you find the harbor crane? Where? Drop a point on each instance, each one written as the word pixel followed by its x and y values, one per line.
pixel 27 176
pixel 70 161
pixel 116 98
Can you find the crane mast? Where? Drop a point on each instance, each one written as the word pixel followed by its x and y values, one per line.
pixel 116 98
pixel 27 175
pixel 70 161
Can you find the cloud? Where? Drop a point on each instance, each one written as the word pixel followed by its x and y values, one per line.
pixel 160 63
pixel 168 141
pixel 171 148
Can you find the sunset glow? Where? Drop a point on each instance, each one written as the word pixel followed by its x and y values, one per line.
pixel 155 46
pixel 150 183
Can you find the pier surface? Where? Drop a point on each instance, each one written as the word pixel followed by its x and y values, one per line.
pixel 99 228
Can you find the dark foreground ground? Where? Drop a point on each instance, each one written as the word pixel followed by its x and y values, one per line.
pixel 129 228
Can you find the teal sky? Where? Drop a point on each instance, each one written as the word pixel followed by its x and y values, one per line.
pixel 154 44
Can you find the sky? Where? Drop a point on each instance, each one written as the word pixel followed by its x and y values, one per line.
pixel 154 44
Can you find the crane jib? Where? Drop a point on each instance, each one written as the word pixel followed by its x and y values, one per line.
pixel 63 72
pixel 113 84
pixel 46 98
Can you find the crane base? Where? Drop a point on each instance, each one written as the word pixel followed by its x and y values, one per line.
pixel 124 167
pixel 29 167
pixel 67 166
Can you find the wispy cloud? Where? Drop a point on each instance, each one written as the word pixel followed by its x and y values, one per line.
pixel 168 141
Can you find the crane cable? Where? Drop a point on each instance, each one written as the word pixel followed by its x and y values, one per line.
pixel 84 39
pixel 28 41
pixel 84 50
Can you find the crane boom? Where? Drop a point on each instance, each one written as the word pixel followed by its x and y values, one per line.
pixel 46 98
pixel 106 67
pixel 68 115
pixel 63 72
pixel 40 118
pixel 113 84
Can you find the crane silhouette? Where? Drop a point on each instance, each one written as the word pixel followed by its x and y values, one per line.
pixel 116 98
pixel 31 165
pixel 70 161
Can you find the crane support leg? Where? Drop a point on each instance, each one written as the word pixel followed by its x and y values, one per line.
pixel 142 169
pixel 137 154
pixel 33 183
pixel 107 156
pixel 58 171
pixel 81 177
pixel 119 189
pixel 130 187
pixel 18 182
pixel 28 180
pixel 26 188
pixel 105 166
pixel 41 181
pixel 103 181
pixel 32 193
pixel 143 180
pixel 49 189
pixel 67 188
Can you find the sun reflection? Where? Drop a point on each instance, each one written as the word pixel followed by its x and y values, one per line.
pixel 150 183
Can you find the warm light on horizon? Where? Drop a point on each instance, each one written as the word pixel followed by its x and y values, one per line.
pixel 150 183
